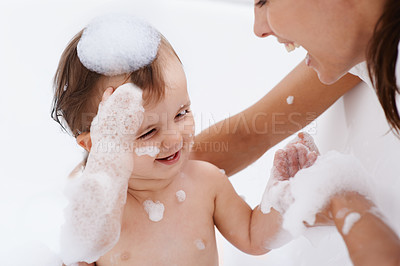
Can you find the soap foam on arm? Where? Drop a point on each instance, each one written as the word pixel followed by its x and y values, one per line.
pixel 349 221
pixel 96 197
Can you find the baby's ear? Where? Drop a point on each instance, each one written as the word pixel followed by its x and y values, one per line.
pixel 84 141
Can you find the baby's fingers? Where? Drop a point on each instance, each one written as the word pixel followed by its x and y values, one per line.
pixel 107 93
pixel 293 160
pixel 311 158
pixel 280 171
pixel 306 157
pixel 308 141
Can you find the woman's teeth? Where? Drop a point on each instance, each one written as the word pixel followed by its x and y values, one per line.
pixel 291 46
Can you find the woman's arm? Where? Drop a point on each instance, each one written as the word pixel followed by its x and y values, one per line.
pixel 252 132
pixel 369 240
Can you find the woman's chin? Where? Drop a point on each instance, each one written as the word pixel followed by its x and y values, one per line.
pixel 327 77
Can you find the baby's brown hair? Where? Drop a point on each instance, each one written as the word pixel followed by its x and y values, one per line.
pixel 77 94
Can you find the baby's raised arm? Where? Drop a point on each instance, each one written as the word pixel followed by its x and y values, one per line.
pixel 97 197
pixel 259 230
pixel 251 231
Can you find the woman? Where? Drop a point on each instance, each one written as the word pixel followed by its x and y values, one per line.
pixel 338 35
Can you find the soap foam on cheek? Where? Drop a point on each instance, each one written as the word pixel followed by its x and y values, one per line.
pixel 96 197
pixel 151 151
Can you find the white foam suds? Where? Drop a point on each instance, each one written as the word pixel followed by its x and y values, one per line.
pixel 296 197
pixel 349 221
pixel 97 196
pixel 290 99
pixel 151 151
pixel 155 210
pixel 199 244
pixel 118 44
pixel 342 213
pixel 180 195
pixel 279 239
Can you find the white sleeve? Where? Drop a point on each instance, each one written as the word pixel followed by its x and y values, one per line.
pixel 361 71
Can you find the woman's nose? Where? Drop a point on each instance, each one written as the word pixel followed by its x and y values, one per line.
pixel 261 25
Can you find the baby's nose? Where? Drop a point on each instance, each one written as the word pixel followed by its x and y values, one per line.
pixel 172 141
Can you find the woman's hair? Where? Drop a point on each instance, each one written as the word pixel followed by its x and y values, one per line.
pixel 381 59
pixel 77 94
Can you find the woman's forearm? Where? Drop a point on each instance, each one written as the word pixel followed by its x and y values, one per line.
pixel 368 239
pixel 243 138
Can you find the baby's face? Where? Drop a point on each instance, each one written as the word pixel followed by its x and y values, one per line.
pixel 168 127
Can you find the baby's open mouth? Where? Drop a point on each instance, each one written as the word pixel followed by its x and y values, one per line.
pixel 170 159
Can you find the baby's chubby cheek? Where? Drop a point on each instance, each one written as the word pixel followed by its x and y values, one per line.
pixel 143 158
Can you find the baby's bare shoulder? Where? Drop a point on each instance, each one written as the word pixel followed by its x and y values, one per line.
pixel 205 172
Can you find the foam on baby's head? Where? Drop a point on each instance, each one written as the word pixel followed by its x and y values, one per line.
pixel 112 45
pixel 106 47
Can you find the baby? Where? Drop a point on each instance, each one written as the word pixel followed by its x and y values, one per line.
pixel 140 200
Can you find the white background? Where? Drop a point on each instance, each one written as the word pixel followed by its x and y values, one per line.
pixel 228 69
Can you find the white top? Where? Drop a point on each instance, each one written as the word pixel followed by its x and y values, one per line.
pixel 369 139
pixel 361 70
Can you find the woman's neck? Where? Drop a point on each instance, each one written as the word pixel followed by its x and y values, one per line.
pixel 367 14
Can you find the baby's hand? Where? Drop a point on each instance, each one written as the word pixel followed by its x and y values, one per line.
pixel 296 155
pixel 119 116
pixel 300 153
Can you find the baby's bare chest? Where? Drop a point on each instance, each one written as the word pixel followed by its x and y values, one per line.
pixel 184 236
